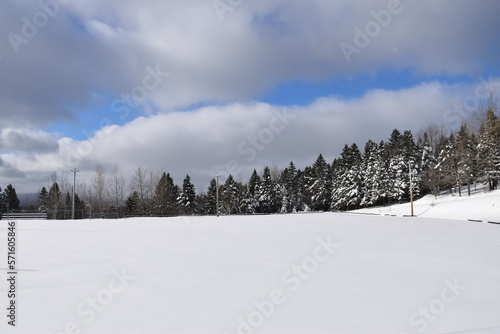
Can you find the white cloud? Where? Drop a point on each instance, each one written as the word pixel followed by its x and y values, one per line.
pixel 94 47
pixel 95 51
pixel 238 137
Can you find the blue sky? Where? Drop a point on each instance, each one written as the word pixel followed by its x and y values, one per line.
pixel 225 78
pixel 294 93
pixel 303 92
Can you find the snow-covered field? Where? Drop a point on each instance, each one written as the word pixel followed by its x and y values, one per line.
pixel 481 205
pixel 302 273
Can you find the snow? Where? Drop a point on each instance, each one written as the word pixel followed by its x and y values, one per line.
pixel 481 205
pixel 296 273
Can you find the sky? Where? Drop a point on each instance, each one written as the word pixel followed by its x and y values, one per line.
pixel 204 87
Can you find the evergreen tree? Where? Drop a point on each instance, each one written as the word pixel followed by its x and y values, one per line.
pixel 230 197
pixel 384 177
pixel 254 182
pixel 465 154
pixel 403 153
pixel 488 148
pixel 269 194
pixel 476 172
pixel 187 197
pixel 43 200
pixel 371 175
pixel 160 199
pixel 412 154
pixel 321 185
pixel 302 192
pixel 286 206
pixel 166 198
pixel 250 202
pixel 292 197
pixel 54 200
pixel 398 169
pixel 210 202
pixel 347 189
pixel 68 204
pixel 394 145
pixel 306 180
pixel 132 204
pixel 428 161
pixel 448 163
pixel 173 192
pixel 428 156
pixel 10 197
pixel 79 207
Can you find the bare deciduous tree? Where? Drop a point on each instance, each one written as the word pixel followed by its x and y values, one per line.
pixel 117 188
pixel 143 182
pixel 99 185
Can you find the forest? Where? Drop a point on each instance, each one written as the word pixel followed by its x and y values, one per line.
pixel 436 160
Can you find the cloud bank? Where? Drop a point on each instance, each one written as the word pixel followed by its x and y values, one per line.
pixel 176 85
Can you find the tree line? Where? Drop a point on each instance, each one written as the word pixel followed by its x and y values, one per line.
pixel 9 201
pixel 436 161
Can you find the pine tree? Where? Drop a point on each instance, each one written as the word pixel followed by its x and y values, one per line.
pixel 68 203
pixel 306 180
pixel 412 154
pixel 397 167
pixel 250 202
pixel 428 156
pixel 269 194
pixel 394 145
pixel 347 184
pixel 321 185
pixel 79 207
pixel 448 163
pixel 211 198
pixel 292 197
pixel 384 177
pixel 160 201
pixel 165 202
pixel 43 200
pixel 465 154
pixel 371 175
pixel 187 197
pixel 254 182
pixel 489 147
pixel 10 196
pixel 403 153
pixel 474 143
pixel 428 161
pixel 302 192
pixel 173 192
pixel 397 170
pixel 54 200
pixel 230 197
pixel 354 179
pixel 132 203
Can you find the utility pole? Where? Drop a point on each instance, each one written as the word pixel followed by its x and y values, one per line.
pixel 217 194
pixel 411 187
pixel 74 170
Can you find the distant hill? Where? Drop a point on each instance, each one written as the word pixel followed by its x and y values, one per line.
pixel 28 200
